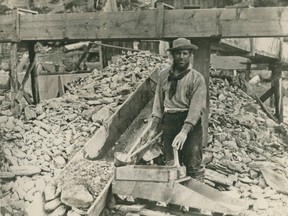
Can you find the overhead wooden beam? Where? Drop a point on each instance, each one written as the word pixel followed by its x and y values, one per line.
pixel 225 23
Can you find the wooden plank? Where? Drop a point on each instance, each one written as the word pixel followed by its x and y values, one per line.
pixel 147 173
pixel 253 95
pixel 269 47
pixel 175 193
pixel 228 62
pixel 105 137
pixel 278 90
pixel 7 31
pixel 267 94
pixel 241 44
pixel 60 87
pixel 160 21
pixel 101 201
pixel 225 23
pixel 83 56
pixel 214 194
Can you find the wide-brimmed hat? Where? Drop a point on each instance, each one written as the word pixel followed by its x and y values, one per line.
pixel 182 44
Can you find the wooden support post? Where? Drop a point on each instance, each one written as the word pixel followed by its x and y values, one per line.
pixel 34 75
pixel 201 63
pixel 83 56
pixel 13 78
pixel 247 74
pixel 278 90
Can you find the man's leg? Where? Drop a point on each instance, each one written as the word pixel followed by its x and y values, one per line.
pixel 191 154
pixel 171 126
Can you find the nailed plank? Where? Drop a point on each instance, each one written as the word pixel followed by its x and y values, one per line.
pixel 228 23
pixel 174 193
pixel 267 94
pixel 86 26
pixel 147 173
pixel 269 47
pixel 105 137
pixel 228 62
pixel 101 201
pixel 7 32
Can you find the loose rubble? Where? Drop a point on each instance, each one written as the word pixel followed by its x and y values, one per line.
pixel 38 145
pixel 244 142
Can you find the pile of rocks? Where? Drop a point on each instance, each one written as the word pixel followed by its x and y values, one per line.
pixel 36 147
pixel 246 148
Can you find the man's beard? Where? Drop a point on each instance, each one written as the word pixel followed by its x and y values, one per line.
pixel 180 66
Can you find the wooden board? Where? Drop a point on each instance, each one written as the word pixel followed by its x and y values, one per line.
pixel 176 193
pixel 7 32
pixel 225 23
pixel 101 201
pixel 106 136
pixel 269 47
pixel 228 62
pixel 148 173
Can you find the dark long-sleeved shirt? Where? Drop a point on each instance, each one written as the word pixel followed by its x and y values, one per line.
pixel 190 95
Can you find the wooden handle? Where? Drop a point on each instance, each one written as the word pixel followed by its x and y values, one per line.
pixel 176 157
pixel 138 141
pixel 146 145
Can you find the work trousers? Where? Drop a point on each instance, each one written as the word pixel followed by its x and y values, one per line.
pixel 191 154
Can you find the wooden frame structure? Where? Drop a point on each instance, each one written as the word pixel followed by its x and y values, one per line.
pixel 227 30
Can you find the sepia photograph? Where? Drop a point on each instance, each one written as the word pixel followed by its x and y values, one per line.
pixel 143 107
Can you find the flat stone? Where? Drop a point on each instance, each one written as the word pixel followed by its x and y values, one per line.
pixel 40 184
pixel 107 100
pixel 94 102
pixel 72 213
pixel 37 206
pixel 18 153
pixel 49 192
pixel 230 144
pixel 60 211
pixel 29 113
pixel 25 170
pixel 253 174
pixel 246 180
pixel 102 115
pixel 28 185
pixel 6 175
pixel 260 204
pixel 59 161
pixel 18 205
pixel 42 125
pixel 52 205
pixel 3 119
pixel 39 109
pixel 76 196
pixel 256 189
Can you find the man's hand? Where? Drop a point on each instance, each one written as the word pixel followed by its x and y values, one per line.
pixel 180 139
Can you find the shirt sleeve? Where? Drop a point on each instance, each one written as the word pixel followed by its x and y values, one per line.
pixel 158 105
pixel 197 103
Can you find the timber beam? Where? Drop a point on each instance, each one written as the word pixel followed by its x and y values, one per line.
pixel 196 23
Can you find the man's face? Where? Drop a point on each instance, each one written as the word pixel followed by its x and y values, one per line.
pixel 181 58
